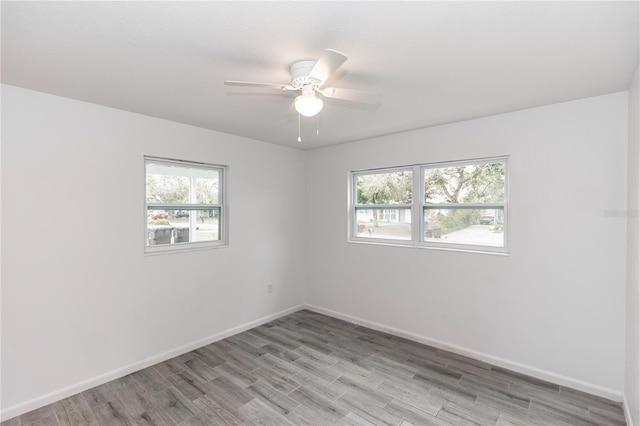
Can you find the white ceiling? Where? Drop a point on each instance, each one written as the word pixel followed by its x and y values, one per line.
pixel 432 62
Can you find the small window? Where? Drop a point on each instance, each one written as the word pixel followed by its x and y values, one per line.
pixel 184 205
pixel 383 204
pixel 460 205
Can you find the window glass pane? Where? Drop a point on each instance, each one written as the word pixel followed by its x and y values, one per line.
pixel 475 183
pixel 384 223
pixel 208 227
pixel 207 188
pixel 167 189
pixel 169 183
pixel 384 188
pixel 182 226
pixel 464 226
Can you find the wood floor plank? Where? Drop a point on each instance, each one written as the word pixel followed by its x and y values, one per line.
pixel 502 400
pixel 251 339
pixel 273 363
pixel 257 413
pixel 413 395
pixel 113 413
pixel 311 369
pixel 189 385
pixel 244 360
pixel 327 390
pixel 200 369
pixel 371 413
pixel 15 421
pixel 50 420
pixel 236 373
pixel 318 370
pixel 281 382
pixel 283 341
pixel 560 413
pixel 323 357
pixel 154 416
pixel 525 418
pixel 278 402
pixel 480 375
pixel 216 413
pixel 352 419
pixel 38 414
pixel 73 410
pixel 169 368
pixel 523 378
pixel 348 367
pixel 413 414
pixel 248 349
pixel 210 356
pixel 320 407
pixel 151 380
pixel 355 387
pixel 176 405
pixel 121 382
pixel 135 399
pixel 229 395
pixel 99 395
pixel 446 390
pixel 439 374
pixel 590 400
pixel 468 413
pixel 607 416
pixel 280 352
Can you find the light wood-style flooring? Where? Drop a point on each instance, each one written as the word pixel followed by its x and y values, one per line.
pixel 311 369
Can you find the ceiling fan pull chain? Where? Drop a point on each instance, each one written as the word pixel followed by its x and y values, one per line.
pixel 318 124
pixel 299 139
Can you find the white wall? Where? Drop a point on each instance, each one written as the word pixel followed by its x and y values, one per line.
pixel 80 301
pixel 555 306
pixel 632 366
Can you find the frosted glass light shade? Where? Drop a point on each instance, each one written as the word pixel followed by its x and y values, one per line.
pixel 308 105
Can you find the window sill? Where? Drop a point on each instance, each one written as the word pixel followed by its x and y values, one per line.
pixel 410 244
pixel 173 249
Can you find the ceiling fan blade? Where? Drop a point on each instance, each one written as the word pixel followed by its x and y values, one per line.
pixel 327 64
pixel 255 84
pixel 351 95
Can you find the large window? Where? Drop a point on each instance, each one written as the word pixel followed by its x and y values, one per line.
pixel 184 205
pixel 456 205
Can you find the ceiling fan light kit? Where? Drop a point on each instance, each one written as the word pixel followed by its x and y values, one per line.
pixel 308 104
pixel 308 77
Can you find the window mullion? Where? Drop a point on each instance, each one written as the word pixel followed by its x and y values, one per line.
pixel 416 200
pixel 193 219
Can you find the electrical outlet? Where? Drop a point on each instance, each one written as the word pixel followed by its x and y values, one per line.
pixel 269 288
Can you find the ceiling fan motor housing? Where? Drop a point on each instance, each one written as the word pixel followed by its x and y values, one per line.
pixel 300 74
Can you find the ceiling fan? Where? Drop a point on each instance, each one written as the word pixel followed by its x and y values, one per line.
pixel 308 78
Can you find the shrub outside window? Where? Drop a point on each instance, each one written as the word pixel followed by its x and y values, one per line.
pixel 184 205
pixel 456 205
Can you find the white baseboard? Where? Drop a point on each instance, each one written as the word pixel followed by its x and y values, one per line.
pixel 49 398
pixel 499 362
pixel 627 411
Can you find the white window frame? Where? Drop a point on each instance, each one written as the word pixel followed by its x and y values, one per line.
pixel 419 204
pixel 355 207
pixel 221 206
